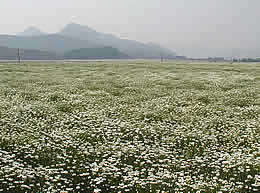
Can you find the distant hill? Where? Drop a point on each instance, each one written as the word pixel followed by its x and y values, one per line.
pixel 75 37
pixel 52 42
pixel 95 53
pixel 26 54
pixel 132 48
pixel 32 31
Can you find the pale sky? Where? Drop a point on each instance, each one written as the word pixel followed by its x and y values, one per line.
pixel 196 28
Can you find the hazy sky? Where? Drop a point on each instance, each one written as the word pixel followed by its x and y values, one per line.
pixel 197 28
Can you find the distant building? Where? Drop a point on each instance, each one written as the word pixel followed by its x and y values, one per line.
pixel 181 58
pixel 216 59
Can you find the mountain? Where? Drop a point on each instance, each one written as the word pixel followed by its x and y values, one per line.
pixel 95 53
pixel 74 37
pixel 79 31
pixel 32 31
pixel 130 47
pixel 52 42
pixel 165 52
pixel 26 54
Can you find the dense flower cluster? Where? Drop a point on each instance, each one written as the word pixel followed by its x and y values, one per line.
pixel 129 127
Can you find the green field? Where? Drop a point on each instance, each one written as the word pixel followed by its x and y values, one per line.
pixel 130 126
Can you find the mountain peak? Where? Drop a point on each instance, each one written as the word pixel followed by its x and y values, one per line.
pixel 73 24
pixel 32 31
pixel 76 29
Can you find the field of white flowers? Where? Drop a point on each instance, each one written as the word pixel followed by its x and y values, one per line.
pixel 130 127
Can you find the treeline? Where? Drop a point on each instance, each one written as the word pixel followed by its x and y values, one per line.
pixel 26 54
pixel 248 60
pixel 81 54
pixel 95 53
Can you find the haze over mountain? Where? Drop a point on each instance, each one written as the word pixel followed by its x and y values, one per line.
pixel 201 28
pixel 75 37
pixel 32 31
pixel 76 40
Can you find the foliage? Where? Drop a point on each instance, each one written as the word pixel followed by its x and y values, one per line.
pixel 25 54
pixel 250 60
pixel 95 53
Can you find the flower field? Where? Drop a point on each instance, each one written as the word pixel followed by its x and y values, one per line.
pixel 130 126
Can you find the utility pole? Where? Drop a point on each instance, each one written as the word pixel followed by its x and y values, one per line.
pixel 19 57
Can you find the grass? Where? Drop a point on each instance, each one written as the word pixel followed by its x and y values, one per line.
pixel 130 127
